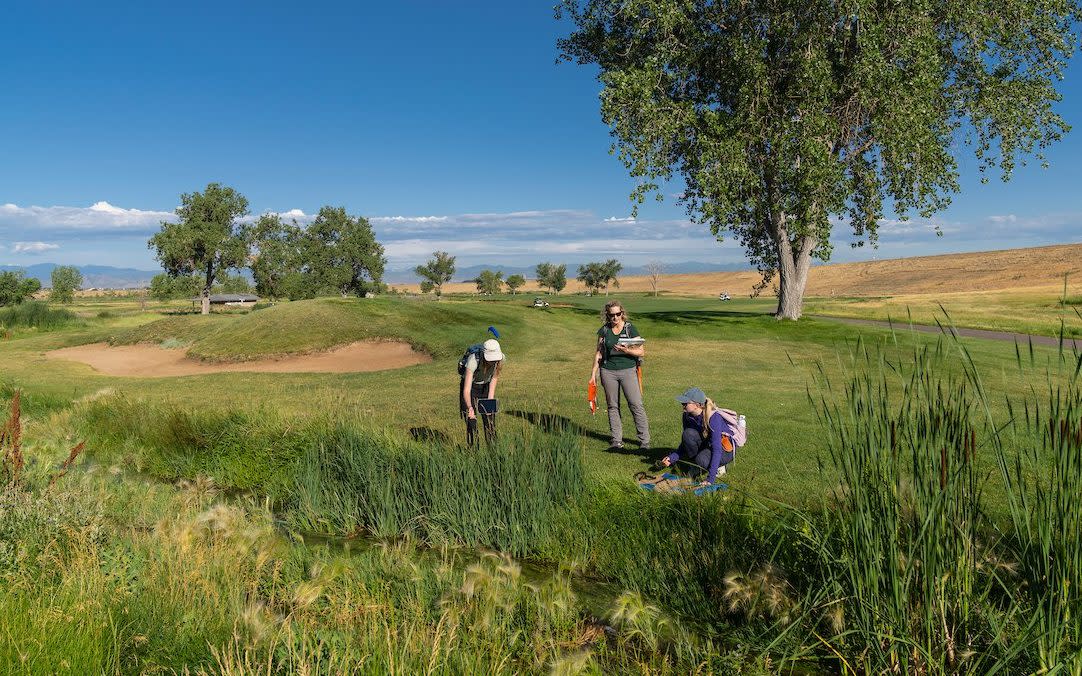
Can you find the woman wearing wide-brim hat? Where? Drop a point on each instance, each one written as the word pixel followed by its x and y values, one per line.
pixel 480 373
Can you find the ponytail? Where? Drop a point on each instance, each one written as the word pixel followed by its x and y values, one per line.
pixel 708 411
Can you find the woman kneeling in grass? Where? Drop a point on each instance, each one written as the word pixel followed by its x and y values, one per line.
pixel 707 441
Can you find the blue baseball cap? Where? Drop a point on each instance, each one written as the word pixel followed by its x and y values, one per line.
pixel 692 394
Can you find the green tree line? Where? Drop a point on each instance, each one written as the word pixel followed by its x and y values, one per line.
pixel 335 254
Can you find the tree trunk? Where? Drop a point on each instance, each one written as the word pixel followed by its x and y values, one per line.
pixel 794 260
pixel 205 305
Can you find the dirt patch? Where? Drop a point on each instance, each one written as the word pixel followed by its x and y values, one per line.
pixel 153 361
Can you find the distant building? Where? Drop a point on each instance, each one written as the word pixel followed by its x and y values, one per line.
pixel 230 299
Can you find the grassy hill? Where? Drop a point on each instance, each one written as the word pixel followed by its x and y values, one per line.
pixel 1032 268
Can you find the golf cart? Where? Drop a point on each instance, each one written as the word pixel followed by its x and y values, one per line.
pixel 540 302
pixel 724 296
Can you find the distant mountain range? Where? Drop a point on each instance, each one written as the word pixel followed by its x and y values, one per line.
pixel 108 277
pixel 94 276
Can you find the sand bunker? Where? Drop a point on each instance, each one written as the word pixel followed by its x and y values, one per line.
pixel 153 361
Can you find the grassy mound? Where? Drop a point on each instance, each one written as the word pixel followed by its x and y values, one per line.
pixel 440 329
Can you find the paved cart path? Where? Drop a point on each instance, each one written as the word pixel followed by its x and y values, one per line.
pixel 1020 338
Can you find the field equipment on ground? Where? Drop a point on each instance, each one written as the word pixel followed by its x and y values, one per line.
pixel 672 484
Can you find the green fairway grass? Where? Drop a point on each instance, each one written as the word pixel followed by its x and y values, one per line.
pixel 1042 312
pixel 735 351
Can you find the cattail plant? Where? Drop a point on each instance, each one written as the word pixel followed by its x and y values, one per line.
pixel 504 497
pixel 902 536
pixel 1040 459
pixel 11 442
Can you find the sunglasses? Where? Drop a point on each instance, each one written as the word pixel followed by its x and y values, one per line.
pixel 615 314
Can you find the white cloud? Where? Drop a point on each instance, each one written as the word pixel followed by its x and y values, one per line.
pixel 33 247
pixel 1008 218
pixel 98 217
pixel 614 219
pixel 408 219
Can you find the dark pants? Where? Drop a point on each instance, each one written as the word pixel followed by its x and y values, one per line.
pixel 695 449
pixel 477 391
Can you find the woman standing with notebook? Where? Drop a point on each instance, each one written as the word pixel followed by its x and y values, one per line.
pixel 617 365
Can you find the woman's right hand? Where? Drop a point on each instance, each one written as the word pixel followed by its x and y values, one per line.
pixel 593 379
pixel 471 414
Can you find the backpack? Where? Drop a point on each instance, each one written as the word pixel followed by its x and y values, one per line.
pixel 475 350
pixel 740 434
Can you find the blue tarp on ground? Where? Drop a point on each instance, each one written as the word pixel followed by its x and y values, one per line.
pixel 671 483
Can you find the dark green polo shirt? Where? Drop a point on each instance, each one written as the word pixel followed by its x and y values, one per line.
pixel 611 359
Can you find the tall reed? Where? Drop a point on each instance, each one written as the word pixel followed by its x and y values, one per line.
pixel 1040 460
pixel 904 532
pixel 37 315
pixel 504 496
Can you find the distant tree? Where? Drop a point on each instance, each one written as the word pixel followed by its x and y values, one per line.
pixel 515 282
pixel 66 281
pixel 167 287
pixel 275 254
pixel 161 287
pixel 340 252
pixel 552 277
pixel 208 238
pixel 600 275
pixel 543 271
pixel 785 118
pixel 592 276
pixel 654 269
pixel 436 272
pixel 233 284
pixel 610 269
pixel 490 282
pixel 558 279
pixel 15 287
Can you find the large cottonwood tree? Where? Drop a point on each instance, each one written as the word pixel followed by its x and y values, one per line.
pixel 208 238
pixel 784 117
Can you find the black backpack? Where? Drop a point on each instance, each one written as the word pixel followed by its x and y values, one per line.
pixel 477 351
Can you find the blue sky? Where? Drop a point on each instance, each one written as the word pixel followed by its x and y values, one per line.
pixel 449 125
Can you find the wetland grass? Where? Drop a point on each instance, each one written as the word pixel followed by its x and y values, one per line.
pixel 37 315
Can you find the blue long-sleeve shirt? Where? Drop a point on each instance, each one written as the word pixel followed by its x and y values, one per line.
pixel 718 428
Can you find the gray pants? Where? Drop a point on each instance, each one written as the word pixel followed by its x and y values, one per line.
pixel 627 381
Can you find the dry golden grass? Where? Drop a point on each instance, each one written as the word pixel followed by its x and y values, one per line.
pixel 1040 268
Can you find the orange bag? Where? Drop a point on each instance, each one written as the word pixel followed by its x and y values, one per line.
pixel 591 396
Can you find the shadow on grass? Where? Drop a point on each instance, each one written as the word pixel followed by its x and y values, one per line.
pixel 552 423
pixel 429 435
pixel 701 316
pixel 685 317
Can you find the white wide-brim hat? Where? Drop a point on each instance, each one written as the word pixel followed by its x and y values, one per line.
pixel 492 350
